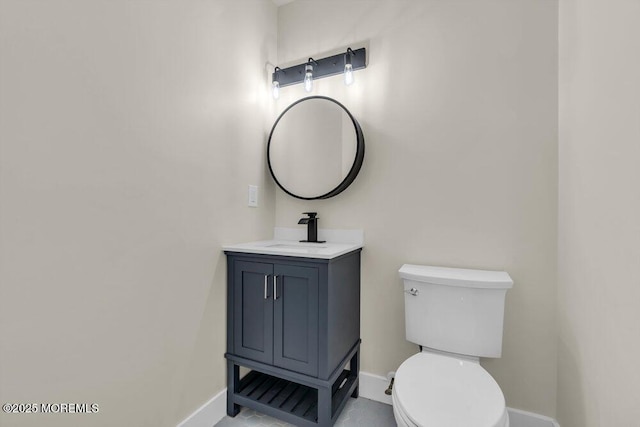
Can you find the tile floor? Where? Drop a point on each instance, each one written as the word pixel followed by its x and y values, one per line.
pixel 358 412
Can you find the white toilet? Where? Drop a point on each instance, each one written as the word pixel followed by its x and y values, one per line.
pixel 456 316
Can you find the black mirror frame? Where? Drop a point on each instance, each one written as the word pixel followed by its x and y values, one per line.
pixel 357 162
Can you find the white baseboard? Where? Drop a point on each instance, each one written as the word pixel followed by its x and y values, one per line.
pixel 371 387
pixel 208 414
pixel 520 418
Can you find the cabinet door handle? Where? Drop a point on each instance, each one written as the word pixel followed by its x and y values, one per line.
pixel 266 277
pixel 275 287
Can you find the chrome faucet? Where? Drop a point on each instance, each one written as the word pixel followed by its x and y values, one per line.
pixel 312 227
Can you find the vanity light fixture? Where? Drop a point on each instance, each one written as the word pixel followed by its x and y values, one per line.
pixel 343 63
pixel 275 85
pixel 348 68
pixel 308 76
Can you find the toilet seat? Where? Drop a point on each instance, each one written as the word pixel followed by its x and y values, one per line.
pixel 445 391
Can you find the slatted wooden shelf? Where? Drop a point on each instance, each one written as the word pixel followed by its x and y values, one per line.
pixel 289 397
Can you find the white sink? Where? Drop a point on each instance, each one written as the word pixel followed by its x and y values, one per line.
pixel 327 250
pixel 297 245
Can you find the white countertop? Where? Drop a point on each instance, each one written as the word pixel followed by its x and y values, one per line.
pixel 327 250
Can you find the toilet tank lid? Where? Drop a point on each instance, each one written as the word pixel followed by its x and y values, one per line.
pixel 457 276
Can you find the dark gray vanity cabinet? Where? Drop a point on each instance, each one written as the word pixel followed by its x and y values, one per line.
pixel 275 314
pixel 295 322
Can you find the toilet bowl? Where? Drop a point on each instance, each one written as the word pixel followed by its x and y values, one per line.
pixel 445 391
pixel 456 316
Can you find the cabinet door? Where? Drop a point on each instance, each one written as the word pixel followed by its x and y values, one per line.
pixel 253 311
pixel 295 317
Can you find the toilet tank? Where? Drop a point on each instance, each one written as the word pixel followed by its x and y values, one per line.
pixel 455 310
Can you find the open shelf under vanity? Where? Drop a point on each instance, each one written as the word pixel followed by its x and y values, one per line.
pixel 258 390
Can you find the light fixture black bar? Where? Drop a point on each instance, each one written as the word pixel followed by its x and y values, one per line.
pixel 324 67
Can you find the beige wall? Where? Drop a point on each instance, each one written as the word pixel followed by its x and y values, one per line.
pixel 459 110
pixel 129 131
pixel 599 221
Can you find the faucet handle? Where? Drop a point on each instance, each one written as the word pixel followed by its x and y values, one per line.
pixel 311 214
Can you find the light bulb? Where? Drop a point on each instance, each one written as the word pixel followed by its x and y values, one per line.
pixel 308 78
pixel 276 89
pixel 348 74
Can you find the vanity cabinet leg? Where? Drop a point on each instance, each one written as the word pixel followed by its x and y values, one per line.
pixel 233 386
pixel 324 407
pixel 354 367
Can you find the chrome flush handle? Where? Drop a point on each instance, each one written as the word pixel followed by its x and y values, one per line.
pixel 412 291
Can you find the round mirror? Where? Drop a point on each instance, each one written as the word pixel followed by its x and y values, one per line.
pixel 315 149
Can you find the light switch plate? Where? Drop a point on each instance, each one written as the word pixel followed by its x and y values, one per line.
pixel 253 196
